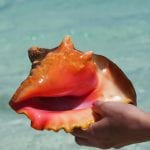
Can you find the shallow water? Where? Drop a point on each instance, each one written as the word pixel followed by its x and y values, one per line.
pixel 117 29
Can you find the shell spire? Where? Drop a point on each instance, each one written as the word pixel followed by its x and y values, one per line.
pixel 36 53
pixel 67 43
pixel 87 55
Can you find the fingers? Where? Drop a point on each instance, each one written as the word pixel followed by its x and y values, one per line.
pixel 105 133
pixel 82 137
pixel 118 147
pixel 91 143
pixel 82 141
pixel 95 135
pixel 99 126
pixel 80 133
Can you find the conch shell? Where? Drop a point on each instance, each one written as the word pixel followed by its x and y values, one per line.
pixel 62 85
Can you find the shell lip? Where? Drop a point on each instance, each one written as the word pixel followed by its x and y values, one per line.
pixel 56 113
pixel 63 103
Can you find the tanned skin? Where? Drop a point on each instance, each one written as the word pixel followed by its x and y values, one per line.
pixel 121 125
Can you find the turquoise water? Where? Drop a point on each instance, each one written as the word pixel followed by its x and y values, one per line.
pixel 115 28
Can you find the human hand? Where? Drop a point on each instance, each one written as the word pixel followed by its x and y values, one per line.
pixel 121 124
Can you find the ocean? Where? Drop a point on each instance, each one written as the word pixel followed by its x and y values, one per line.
pixel 117 29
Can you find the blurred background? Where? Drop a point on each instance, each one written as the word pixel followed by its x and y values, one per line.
pixel 118 29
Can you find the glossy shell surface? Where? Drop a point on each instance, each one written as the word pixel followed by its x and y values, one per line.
pixel 62 85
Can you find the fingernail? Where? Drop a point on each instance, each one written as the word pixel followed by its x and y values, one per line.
pixel 97 103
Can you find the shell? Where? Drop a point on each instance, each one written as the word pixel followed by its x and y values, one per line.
pixel 64 82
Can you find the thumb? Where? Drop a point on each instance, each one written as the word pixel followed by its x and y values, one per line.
pixel 104 108
pixel 97 107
